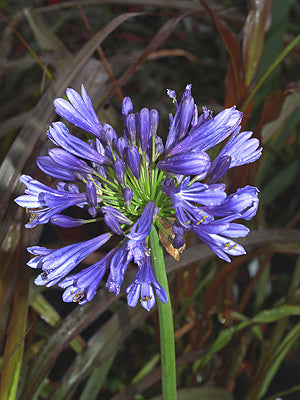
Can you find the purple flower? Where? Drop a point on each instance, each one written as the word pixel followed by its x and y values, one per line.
pixel 188 201
pixel 50 167
pixel 60 135
pixel 91 194
pixel 139 231
pixel 56 264
pixel 70 162
pixel 244 201
pixel 114 218
pixel 133 161
pixel 131 128
pixel 128 196
pixel 142 287
pixel 186 164
pixel 66 222
pixel 138 183
pixel 119 168
pixel 240 149
pixel 154 119
pixel 82 287
pixel 79 111
pixel 209 133
pixel 43 202
pixel 215 234
pixel 118 266
pixel 144 128
pixel 182 118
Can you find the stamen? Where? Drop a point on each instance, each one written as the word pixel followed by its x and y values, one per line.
pixel 44 276
pixel 228 246
pixel 32 215
pixel 79 296
pixel 203 219
pixel 145 298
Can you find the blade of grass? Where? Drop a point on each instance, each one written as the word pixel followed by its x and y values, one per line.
pixel 102 345
pixel 18 158
pixel 28 47
pixel 269 70
pixel 71 326
pixel 201 394
pixel 96 380
pixel 14 345
pixel 162 34
pixel 51 316
pixel 255 27
pixel 46 39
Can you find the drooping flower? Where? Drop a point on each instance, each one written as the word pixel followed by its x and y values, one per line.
pixel 142 287
pixel 57 263
pixel 134 182
pixel 82 287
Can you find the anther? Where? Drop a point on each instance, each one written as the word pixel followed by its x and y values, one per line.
pixel 145 298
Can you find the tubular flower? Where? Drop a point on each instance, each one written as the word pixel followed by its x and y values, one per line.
pixel 132 182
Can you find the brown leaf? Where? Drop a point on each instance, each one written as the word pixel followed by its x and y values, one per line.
pixel 272 107
pixel 175 253
pixel 236 90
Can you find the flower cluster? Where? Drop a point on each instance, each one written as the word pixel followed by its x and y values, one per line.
pixel 136 183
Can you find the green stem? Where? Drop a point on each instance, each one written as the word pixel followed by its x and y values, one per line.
pixel 167 344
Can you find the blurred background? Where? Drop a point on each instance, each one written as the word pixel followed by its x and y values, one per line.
pixel 236 324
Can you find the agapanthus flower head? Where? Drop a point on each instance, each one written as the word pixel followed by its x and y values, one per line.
pixel 134 182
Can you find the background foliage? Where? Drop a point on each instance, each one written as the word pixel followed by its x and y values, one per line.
pixel 237 329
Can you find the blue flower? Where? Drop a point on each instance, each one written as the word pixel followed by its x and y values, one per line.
pixel 82 287
pixel 188 200
pixel 216 233
pixel 244 201
pixel 43 202
pixel 50 167
pixel 133 181
pixel 142 287
pixel 57 263
pixel 59 134
pixel 139 231
pixel 189 163
pixel 79 111
pixel 118 266
pixel 209 133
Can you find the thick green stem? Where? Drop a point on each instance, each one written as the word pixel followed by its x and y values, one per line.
pixel 167 344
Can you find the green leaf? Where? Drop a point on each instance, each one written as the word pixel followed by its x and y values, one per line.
pixel 51 316
pixel 266 316
pixel 73 324
pixel 96 380
pixel 201 394
pixel 277 358
pixel 284 392
pixel 275 314
pixel 102 345
pixel 23 150
pixel 290 105
pixel 147 368
pixel 14 345
pixel 46 39
pixel 280 183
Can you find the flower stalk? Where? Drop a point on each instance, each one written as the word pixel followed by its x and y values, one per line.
pixel 166 328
